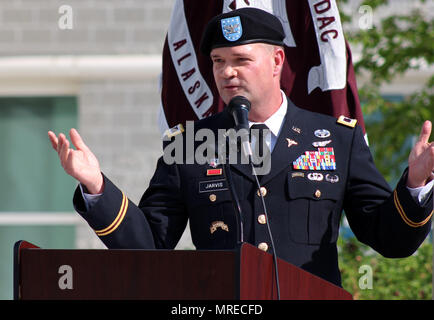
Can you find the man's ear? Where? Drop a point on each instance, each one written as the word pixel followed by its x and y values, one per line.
pixel 279 59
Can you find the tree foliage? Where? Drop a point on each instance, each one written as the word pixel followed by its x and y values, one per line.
pixel 392 279
pixel 394 45
pixel 389 49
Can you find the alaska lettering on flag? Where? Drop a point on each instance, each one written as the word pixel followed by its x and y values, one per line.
pixel 318 74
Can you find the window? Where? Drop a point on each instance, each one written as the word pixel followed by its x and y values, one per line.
pixel 35 193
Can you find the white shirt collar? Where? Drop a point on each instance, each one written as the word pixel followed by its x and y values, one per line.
pixel 274 123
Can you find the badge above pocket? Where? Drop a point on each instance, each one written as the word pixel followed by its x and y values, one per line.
pixel 311 185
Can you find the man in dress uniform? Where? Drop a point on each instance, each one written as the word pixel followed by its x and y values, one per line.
pixel 319 166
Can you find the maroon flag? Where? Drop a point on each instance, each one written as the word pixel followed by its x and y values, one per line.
pixel 318 74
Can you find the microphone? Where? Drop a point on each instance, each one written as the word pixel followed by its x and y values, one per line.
pixel 239 108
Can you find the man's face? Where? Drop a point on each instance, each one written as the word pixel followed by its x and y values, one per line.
pixel 245 70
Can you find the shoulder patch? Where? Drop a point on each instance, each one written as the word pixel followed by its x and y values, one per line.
pixel 174 131
pixel 347 121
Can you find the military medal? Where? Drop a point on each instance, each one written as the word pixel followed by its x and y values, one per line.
pixel 214 172
pixel 322 133
pixel 332 178
pixel 323 159
pixel 321 143
pixel 214 162
pixel 315 176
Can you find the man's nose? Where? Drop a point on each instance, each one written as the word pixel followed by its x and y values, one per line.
pixel 229 71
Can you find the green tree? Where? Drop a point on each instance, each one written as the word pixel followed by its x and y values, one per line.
pixel 393 46
pixel 392 279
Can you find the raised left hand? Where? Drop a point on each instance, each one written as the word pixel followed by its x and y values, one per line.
pixel 421 159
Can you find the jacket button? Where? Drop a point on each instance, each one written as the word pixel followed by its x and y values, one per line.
pixel 318 194
pixel 212 197
pixel 262 190
pixel 262 219
pixel 263 246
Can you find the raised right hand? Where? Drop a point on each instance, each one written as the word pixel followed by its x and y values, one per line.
pixel 79 163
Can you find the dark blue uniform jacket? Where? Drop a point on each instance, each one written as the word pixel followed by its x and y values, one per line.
pixel 304 210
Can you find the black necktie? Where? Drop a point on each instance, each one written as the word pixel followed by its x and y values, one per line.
pixel 257 130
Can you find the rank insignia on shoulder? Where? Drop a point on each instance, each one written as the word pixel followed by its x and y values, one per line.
pixel 174 131
pixel 347 121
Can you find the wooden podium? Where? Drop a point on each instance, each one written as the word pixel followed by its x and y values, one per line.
pixel 246 273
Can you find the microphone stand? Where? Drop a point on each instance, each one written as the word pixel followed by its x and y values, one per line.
pixel 238 216
pixel 239 108
pixel 235 201
pixel 276 269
